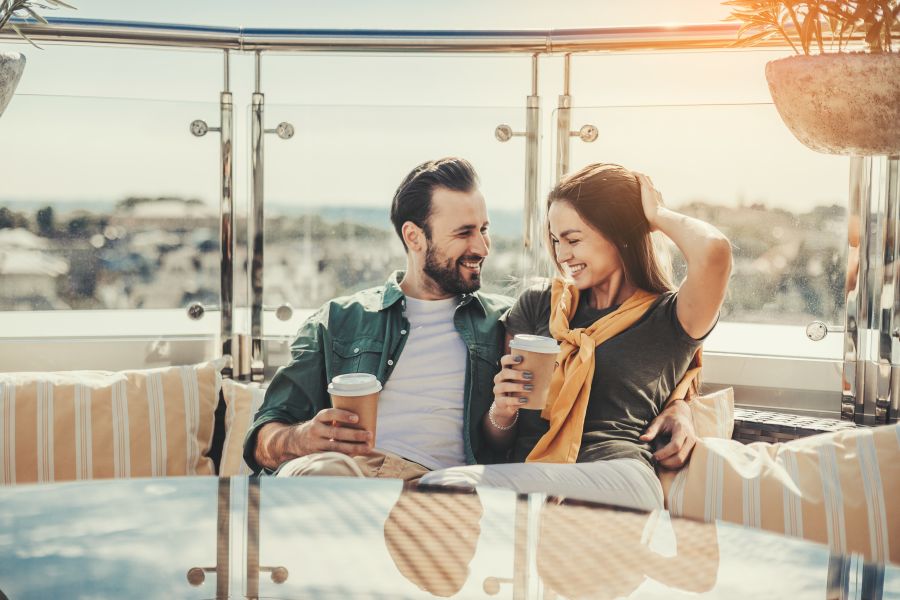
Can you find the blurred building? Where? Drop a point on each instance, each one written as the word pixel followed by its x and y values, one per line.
pixel 29 272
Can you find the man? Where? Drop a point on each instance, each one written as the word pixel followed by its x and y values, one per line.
pixel 428 335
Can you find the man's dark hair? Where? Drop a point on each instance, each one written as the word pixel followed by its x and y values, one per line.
pixel 412 201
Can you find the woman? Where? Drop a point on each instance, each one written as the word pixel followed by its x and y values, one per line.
pixel 628 340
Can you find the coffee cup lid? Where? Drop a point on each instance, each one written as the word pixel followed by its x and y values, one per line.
pixel 354 384
pixel 534 343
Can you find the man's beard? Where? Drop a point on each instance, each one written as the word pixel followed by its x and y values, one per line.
pixel 448 276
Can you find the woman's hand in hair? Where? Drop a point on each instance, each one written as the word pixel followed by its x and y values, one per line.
pixel 651 199
pixel 707 253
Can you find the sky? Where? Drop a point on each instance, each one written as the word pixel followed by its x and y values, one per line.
pixel 95 123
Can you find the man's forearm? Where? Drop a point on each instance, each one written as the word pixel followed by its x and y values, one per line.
pixel 274 444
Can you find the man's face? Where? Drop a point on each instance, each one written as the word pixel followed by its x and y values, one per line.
pixel 459 240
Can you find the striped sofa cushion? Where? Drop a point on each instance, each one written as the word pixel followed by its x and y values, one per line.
pixel 830 488
pixel 712 416
pixel 242 400
pixel 76 425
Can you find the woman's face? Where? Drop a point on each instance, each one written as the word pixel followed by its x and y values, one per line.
pixel 582 251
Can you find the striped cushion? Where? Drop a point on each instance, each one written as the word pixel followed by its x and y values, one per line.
pixel 712 416
pixel 830 488
pixel 78 425
pixel 242 401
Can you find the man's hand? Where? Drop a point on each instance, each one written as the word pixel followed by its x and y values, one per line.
pixel 676 422
pixel 326 432
pixel 280 442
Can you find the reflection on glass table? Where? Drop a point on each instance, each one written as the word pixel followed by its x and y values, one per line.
pixel 106 539
pixel 343 538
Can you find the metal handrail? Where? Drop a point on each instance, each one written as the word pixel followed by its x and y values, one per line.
pixel 539 41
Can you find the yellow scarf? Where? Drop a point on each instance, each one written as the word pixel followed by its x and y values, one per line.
pixel 570 388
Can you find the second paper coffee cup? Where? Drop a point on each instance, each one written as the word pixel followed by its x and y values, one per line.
pixel 538 356
pixel 358 393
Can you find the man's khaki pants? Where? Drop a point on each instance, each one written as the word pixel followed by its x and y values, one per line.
pixel 335 464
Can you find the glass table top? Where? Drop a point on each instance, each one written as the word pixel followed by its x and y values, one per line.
pixel 349 538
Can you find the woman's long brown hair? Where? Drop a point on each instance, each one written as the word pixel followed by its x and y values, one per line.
pixel 608 198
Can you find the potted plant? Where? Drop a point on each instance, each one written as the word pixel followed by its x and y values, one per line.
pixel 12 64
pixel 840 94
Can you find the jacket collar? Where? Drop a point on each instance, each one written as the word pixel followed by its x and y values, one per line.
pixel 393 294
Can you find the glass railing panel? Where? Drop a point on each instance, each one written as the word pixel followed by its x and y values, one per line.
pixel 328 192
pixel 736 166
pixel 108 204
pixel 668 78
pixel 354 80
pixel 92 71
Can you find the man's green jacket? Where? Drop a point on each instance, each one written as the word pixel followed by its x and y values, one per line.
pixel 365 333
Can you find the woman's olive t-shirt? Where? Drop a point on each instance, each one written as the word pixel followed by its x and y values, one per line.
pixel 634 374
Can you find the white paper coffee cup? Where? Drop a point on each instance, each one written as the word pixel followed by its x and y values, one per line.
pixel 539 357
pixel 357 393
pixel 534 343
pixel 354 384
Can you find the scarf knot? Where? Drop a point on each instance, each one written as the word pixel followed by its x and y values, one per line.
pixel 570 387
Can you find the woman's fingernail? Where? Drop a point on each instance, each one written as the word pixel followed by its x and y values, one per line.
pixel 354 418
pixel 528 387
pixel 527 375
pixel 518 358
pixel 523 400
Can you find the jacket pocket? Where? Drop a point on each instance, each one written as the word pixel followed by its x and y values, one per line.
pixel 489 356
pixel 485 365
pixel 357 356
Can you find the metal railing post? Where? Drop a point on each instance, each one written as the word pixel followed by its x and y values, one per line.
pixel 530 233
pixel 196 576
pixel 563 123
pixel 886 295
pixel 257 225
pixel 871 376
pixel 223 538
pixel 532 150
pixel 893 246
pixel 564 133
pixel 226 289
pixel 856 324
pixel 523 548
pixel 252 574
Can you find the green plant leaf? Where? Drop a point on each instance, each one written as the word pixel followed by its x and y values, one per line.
pixel 873 37
pixel 863 9
pixel 807 25
pixel 10 8
pixel 36 16
pixel 797 23
pixel 819 40
pixel 835 26
pixel 23 36
pixel 754 39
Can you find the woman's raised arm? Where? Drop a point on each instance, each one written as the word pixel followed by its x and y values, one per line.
pixel 708 255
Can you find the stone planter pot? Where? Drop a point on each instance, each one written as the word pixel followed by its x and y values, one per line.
pixel 840 103
pixel 12 64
